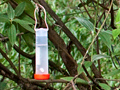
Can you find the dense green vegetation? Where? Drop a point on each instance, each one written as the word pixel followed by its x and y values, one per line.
pixel 83 44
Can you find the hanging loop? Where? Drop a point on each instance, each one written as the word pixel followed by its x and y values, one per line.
pixel 36 10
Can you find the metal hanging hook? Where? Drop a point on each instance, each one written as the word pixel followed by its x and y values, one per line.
pixel 37 9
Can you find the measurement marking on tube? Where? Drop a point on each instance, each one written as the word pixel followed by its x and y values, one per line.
pixel 41 44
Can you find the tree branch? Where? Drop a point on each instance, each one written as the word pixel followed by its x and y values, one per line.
pixel 85 9
pixel 24 83
pixel 49 81
pixel 23 53
pixel 69 34
pixel 112 17
pixel 10 62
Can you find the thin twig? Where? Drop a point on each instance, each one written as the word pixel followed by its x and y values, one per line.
pixel 117 80
pixel 73 85
pixel 96 35
pixel 4 39
pixel 94 39
pixel 113 60
pixel 85 9
pixel 91 78
pixel 19 54
pixel 69 84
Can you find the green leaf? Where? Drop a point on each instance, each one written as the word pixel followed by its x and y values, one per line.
pixel 24 24
pixel 86 23
pixel 105 86
pixel 22 21
pixel 4 18
pixel 29 7
pixel 114 72
pixel 118 16
pixel 78 80
pixel 9 46
pixel 67 78
pixel 117 19
pixel 106 38
pixel 115 33
pixel 12 34
pixel 26 18
pixel 6 27
pixel 80 70
pixel 19 9
pixel 28 37
pixel 3 85
pixel 108 32
pixel 99 56
pixel 87 64
pixel 10 12
pixel 1 58
pixel 27 27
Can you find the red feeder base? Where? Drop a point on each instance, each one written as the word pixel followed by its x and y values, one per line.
pixel 41 76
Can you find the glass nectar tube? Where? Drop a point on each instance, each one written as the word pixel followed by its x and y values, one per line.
pixel 41 56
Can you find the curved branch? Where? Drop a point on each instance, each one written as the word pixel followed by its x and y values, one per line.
pixel 30 56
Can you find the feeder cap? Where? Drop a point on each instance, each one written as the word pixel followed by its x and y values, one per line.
pixel 41 76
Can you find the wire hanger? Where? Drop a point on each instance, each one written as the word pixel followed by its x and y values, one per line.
pixel 37 9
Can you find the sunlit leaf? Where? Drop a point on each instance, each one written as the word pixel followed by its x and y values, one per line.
pixel 4 18
pixel 105 86
pixel 10 12
pixel 19 9
pixel 118 16
pixel 12 34
pixel 115 33
pixel 106 38
pixel 86 23
pixel 117 19
pixel 99 56
pixel 67 78
pixel 114 72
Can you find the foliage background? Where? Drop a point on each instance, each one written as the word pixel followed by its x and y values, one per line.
pixel 104 53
